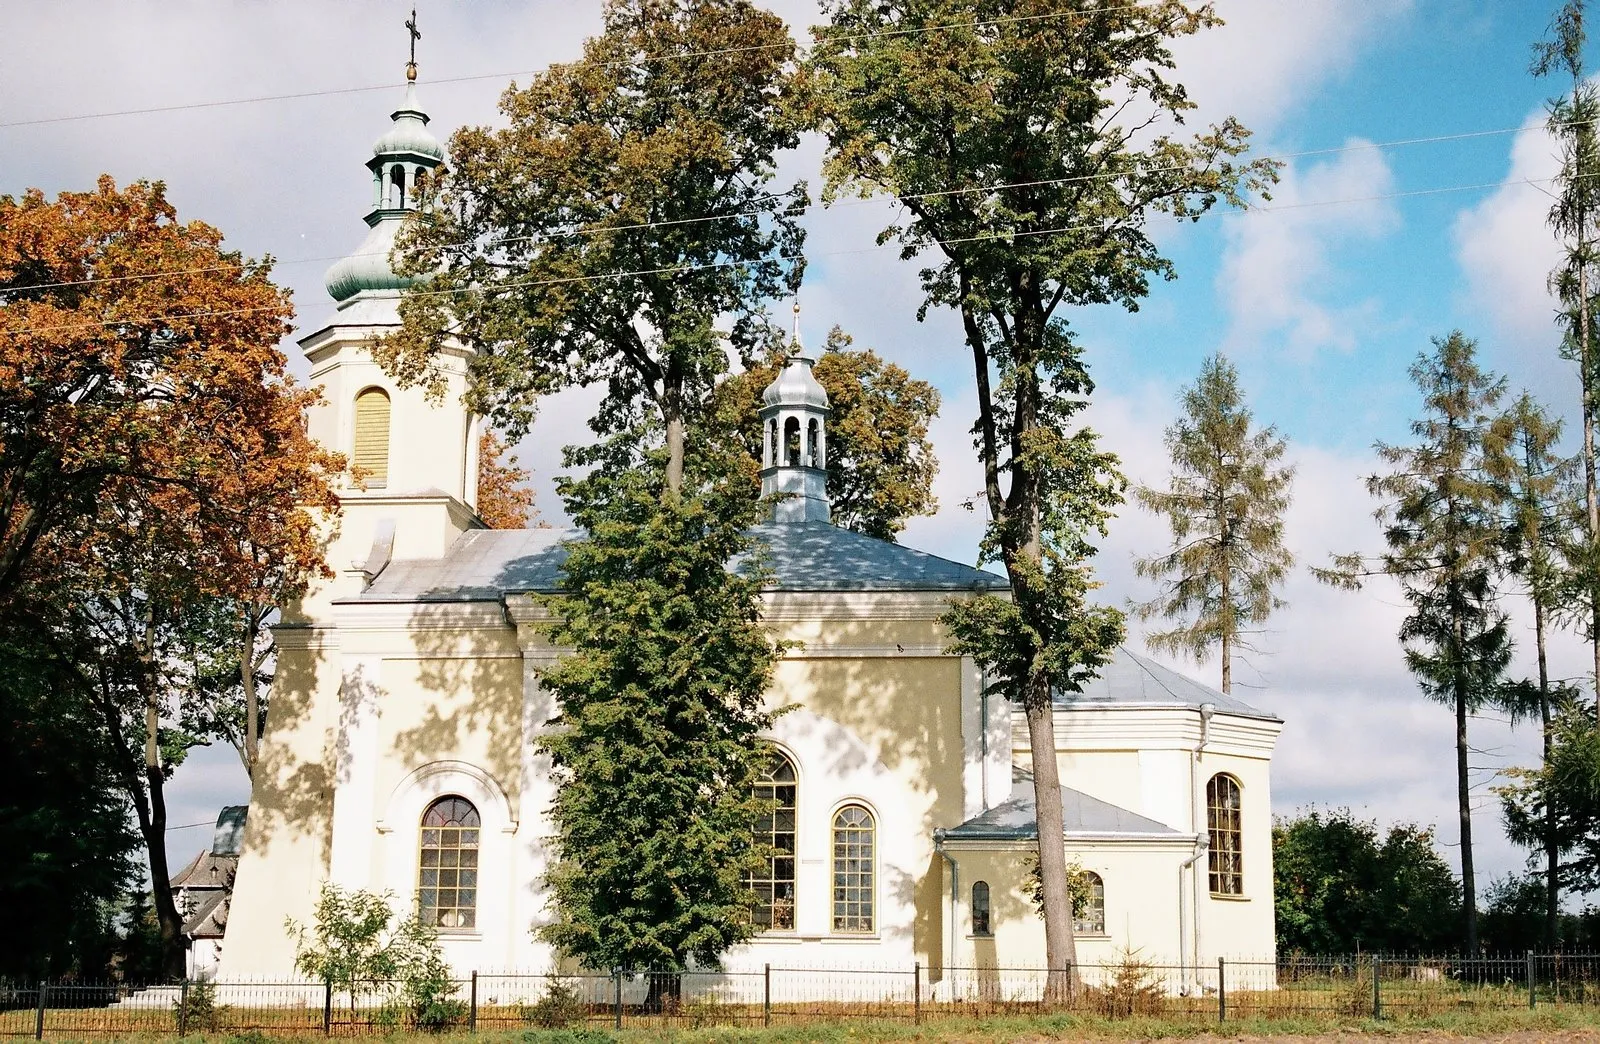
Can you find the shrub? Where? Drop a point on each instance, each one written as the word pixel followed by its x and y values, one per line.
pixel 198 1009
pixel 561 1006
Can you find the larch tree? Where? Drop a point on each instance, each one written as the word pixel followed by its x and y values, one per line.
pixel 1575 219
pixel 158 476
pixel 1442 527
pixel 626 211
pixel 1028 145
pixel 880 461
pixel 1225 503
pixel 505 500
pixel 1535 480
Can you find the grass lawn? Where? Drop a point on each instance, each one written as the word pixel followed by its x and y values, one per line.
pixel 1520 1025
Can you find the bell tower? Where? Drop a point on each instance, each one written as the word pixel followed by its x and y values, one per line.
pixel 794 455
pixel 418 459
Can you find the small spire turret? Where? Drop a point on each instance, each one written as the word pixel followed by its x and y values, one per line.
pixel 794 458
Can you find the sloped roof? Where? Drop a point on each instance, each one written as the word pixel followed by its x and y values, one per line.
pixel 486 564
pixel 1131 679
pixel 1016 818
pixel 210 918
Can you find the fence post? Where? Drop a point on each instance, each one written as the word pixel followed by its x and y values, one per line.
pixel 916 993
pixel 616 1008
pixel 766 997
pixel 38 1020
pixel 1530 981
pixel 472 1009
pixel 1377 989
pixel 183 1008
pixel 327 1007
pixel 1222 990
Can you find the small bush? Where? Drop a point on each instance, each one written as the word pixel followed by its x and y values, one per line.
pixel 1135 989
pixel 199 1011
pixel 561 1006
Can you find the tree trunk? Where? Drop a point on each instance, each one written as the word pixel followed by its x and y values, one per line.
pixel 153 821
pixel 1590 493
pixel 1227 632
pixel 1469 888
pixel 250 740
pixel 1060 943
pixel 1552 855
pixel 672 417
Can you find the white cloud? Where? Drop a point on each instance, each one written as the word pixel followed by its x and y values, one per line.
pixel 1276 274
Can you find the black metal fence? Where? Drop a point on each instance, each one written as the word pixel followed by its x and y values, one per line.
pixel 1357 987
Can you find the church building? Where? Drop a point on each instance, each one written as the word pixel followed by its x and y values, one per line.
pixel 398 754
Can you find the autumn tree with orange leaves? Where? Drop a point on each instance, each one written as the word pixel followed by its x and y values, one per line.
pixel 159 496
pixel 504 499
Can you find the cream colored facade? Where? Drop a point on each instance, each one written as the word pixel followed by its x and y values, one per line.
pixel 414 676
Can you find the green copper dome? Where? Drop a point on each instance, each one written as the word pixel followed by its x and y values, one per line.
pixel 368 268
pixel 409 137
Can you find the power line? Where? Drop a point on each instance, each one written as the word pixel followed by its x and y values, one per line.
pixel 710 53
pixel 1006 186
pixel 705 266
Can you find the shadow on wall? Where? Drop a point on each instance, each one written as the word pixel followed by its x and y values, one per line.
pixel 292 796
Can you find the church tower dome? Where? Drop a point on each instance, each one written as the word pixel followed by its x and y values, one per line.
pixel 794 457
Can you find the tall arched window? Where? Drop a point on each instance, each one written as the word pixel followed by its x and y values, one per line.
pixel 372 437
pixel 813 445
pixel 854 870
pixel 777 829
pixel 447 872
pixel 397 174
pixel 1226 856
pixel 1091 919
pixel 791 442
pixel 980 908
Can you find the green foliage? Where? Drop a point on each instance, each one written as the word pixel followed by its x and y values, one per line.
pixel 1225 506
pixel 1513 919
pixel 628 207
pixel 356 944
pixel 198 1011
pixel 656 748
pixel 1077 885
pixel 1568 782
pixel 561 1006
pixel 880 461
pixel 1341 887
pixel 69 861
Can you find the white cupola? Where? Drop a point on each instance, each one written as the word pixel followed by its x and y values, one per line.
pixel 794 457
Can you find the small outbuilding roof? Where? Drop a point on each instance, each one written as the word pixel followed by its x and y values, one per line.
pixel 1134 680
pixel 1016 818
pixel 487 564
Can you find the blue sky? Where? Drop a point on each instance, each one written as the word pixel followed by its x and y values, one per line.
pixel 1321 302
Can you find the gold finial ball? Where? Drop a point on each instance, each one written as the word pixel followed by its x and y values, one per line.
pixel 797 308
pixel 411 72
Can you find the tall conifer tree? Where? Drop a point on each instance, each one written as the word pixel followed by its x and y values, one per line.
pixel 1225 504
pixel 1442 525
pixel 1575 218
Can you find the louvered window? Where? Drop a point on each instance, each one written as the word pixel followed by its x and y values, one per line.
pixel 371 454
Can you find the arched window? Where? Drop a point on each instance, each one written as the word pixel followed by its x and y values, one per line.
pixel 772 443
pixel 854 867
pixel 1091 920
pixel 813 445
pixel 447 872
pixel 397 174
pixel 776 829
pixel 980 908
pixel 372 437
pixel 791 442
pixel 1226 855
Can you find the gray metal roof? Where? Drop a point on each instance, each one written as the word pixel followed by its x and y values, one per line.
pixel 1015 818
pixel 1133 679
pixel 486 564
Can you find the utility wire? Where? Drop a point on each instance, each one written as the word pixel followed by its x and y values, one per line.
pixel 675 269
pixel 711 53
pixel 1005 186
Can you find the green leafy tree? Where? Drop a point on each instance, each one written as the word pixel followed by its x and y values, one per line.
pixel 1561 797
pixel 1340 887
pixel 1229 490
pixel 358 945
pixel 627 208
pixel 880 461
pixel 1575 218
pixel 1442 524
pixel 69 858
pixel 1521 457
pixel 656 749
pixel 1005 133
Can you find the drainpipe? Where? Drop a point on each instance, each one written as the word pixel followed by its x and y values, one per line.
pixel 983 738
pixel 955 891
pixel 1183 917
pixel 1202 833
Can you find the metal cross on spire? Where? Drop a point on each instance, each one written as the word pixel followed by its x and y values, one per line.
pixel 411 28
